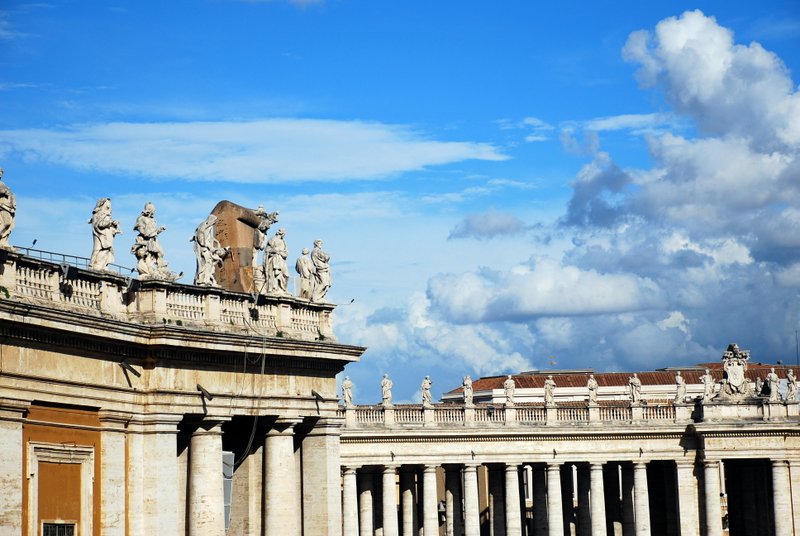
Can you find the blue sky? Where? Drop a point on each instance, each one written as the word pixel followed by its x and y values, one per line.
pixel 501 186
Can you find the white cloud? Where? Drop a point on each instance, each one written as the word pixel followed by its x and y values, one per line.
pixel 638 123
pixel 487 225
pixel 265 151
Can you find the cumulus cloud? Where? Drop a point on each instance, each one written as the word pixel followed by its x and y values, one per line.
pixel 596 190
pixel 489 224
pixel 265 151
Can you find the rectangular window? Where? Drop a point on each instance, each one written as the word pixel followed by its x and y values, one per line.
pixel 58 529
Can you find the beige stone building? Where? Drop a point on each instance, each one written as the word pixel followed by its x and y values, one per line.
pixel 132 407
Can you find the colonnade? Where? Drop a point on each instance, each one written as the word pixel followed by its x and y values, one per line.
pixel 552 498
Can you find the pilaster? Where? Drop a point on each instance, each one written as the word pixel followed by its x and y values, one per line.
pixel 113 451
pixel 12 413
pixel 322 510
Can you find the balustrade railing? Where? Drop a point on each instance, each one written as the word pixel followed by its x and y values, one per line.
pixel 449 415
pixel 412 415
pixel 615 413
pixel 662 412
pixel 572 414
pixel 531 414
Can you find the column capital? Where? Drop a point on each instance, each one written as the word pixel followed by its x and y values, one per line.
pixel 596 466
pixel 779 462
pixel 12 409
pixel 429 468
pixel 710 463
pixel 284 426
pixel 113 421
pixel 389 468
pixel 350 469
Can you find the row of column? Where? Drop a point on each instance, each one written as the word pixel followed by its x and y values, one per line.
pixel 551 491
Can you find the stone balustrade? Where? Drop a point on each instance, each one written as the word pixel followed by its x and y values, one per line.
pixel 109 294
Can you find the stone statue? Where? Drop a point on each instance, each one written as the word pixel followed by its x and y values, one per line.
pixel 772 385
pixel 275 267
pixel 759 386
pixel 322 274
pixel 791 387
pixel 427 398
pixel 680 389
pixel 467 384
pixel 386 391
pixel 8 211
pixel 151 263
pixel 104 229
pixel 208 251
pixel 305 268
pixel 347 392
pixel 549 391
pixel 735 385
pixel 509 386
pixel 635 386
pixel 708 385
pixel 592 386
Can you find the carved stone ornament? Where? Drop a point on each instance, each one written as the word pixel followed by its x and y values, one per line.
pixel 735 386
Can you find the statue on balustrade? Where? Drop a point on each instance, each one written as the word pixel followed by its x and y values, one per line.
pixel 8 211
pixel 680 389
pixel 347 392
pixel 509 386
pixel 322 274
pixel 104 229
pixel 467 384
pixel 592 386
pixel 151 263
pixel 635 388
pixel 305 268
pixel 791 387
pixel 208 251
pixel 427 398
pixel 759 386
pixel 772 385
pixel 386 391
pixel 275 267
pixel 735 385
pixel 708 385
pixel 549 391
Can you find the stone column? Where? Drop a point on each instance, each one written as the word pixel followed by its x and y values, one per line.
pixel 112 473
pixel 205 500
pixel 496 505
pixel 454 525
pixel 349 502
pixel 584 513
pixel 322 509
pixel 539 501
pixel 280 474
pixel 389 496
pixel 160 475
pixel 711 492
pixel 641 499
pixel 430 518
pixel 782 498
pixel 513 514
pixel 471 507
pixel 12 413
pixel 687 498
pixel 628 521
pixel 408 501
pixel 555 517
pixel 598 499
pixel 366 516
pixel 794 478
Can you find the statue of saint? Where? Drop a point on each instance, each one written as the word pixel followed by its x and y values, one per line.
pixel 592 386
pixel 347 392
pixel 305 268
pixel 322 274
pixel 509 386
pixel 275 268
pixel 680 389
pixel 635 386
pixel 708 385
pixel 467 384
pixel 386 391
pixel 208 251
pixel 8 211
pixel 147 249
pixel 772 385
pixel 791 387
pixel 549 391
pixel 427 399
pixel 104 229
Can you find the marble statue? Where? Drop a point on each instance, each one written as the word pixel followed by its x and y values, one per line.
pixel 467 384
pixel 680 388
pixel 347 392
pixel 735 385
pixel 635 386
pixel 791 387
pixel 305 268
pixel 322 274
pixel 265 220
pixel 151 263
pixel 549 391
pixel 386 391
pixel 772 385
pixel 759 386
pixel 427 398
pixel 708 385
pixel 592 386
pixel 8 211
pixel 104 229
pixel 275 267
pixel 208 251
pixel 509 386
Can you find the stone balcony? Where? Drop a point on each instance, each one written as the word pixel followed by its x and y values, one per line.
pixel 66 285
